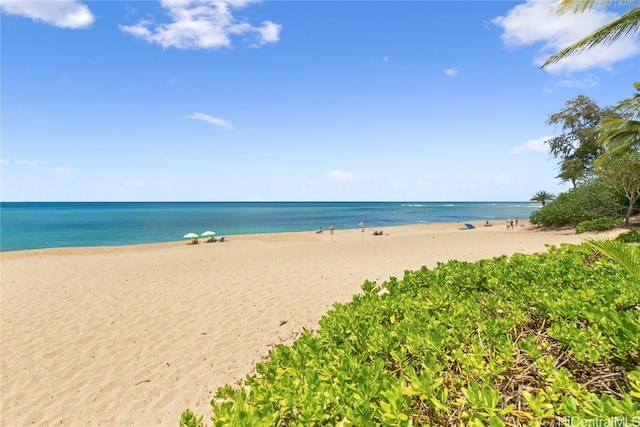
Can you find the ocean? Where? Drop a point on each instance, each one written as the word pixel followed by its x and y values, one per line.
pixel 36 225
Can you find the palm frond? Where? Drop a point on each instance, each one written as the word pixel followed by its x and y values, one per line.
pixel 579 6
pixel 626 255
pixel 631 105
pixel 617 136
pixel 625 25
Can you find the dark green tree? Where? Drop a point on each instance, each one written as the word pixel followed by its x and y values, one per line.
pixel 577 147
pixel 622 173
pixel 588 201
pixel 571 170
pixel 542 197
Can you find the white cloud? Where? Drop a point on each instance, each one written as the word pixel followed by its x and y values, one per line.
pixel 202 24
pixel 584 83
pixel 269 32
pixel 3 161
pixel 210 119
pixel 581 83
pixel 61 171
pixel 26 162
pixel 59 13
pixel 342 176
pixel 536 23
pixel 532 145
pixel 451 72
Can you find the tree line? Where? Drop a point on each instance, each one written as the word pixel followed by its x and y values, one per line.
pixel 598 147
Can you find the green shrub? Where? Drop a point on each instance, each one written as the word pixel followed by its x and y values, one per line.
pixel 187 419
pixel 586 202
pixel 542 339
pixel 599 224
pixel 632 236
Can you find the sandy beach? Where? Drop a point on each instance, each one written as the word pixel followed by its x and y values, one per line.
pixel 134 335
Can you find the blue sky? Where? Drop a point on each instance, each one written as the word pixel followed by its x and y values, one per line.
pixel 291 100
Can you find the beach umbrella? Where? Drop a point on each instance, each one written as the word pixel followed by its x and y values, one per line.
pixel 208 233
pixel 190 236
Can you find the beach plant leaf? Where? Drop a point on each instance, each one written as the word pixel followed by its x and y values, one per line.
pixel 626 255
pixel 188 419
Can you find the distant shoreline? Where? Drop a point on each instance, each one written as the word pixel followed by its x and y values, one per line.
pixel 263 235
pixel 88 224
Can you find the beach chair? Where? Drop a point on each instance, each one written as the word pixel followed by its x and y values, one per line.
pixel 469 226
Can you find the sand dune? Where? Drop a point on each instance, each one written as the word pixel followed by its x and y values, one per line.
pixel 134 335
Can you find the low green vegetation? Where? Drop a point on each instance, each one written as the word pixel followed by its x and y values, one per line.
pixel 632 236
pixel 602 223
pixel 547 339
pixel 585 202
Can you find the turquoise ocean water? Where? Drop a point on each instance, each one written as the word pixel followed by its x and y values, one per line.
pixel 34 225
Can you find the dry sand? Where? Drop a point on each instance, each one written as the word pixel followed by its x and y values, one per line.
pixel 134 335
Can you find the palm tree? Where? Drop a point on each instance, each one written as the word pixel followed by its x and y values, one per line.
pixel 625 255
pixel 625 25
pixel 621 134
pixel 542 197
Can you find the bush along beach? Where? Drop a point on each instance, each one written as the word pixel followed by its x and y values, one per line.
pixel 548 339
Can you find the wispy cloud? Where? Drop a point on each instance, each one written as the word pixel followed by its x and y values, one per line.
pixel 535 22
pixel 61 171
pixel 451 72
pixel 26 162
pixel 3 161
pixel 532 145
pixel 584 83
pixel 202 24
pixel 581 83
pixel 342 176
pixel 59 13
pixel 211 119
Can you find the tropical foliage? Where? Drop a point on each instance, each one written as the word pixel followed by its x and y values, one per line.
pixel 603 223
pixel 632 236
pixel 625 255
pixel 543 197
pixel 617 139
pixel 587 201
pixel 622 174
pixel 623 26
pixel 546 339
pixel 578 146
pixel 620 135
